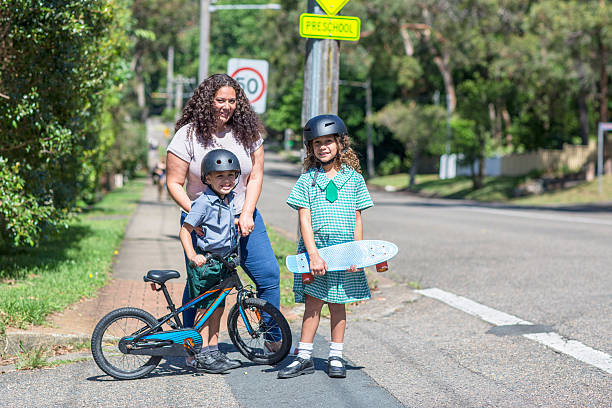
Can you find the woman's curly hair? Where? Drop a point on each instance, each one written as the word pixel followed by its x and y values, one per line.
pixel 200 112
pixel 346 155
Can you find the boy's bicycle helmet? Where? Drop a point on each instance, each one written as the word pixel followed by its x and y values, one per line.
pixel 219 160
pixel 324 125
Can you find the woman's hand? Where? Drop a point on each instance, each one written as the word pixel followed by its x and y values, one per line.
pixel 198 260
pixel 246 224
pixel 318 266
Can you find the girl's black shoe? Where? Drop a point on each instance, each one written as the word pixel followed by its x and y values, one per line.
pixel 303 367
pixel 336 372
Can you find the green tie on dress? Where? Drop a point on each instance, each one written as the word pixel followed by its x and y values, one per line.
pixel 331 192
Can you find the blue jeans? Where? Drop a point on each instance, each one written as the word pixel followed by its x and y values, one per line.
pixel 257 260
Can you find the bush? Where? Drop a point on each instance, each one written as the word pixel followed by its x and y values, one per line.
pixel 59 64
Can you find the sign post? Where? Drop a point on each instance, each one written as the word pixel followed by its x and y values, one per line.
pixel 252 75
pixel 603 127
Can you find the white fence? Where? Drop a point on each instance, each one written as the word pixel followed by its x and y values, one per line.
pixel 571 157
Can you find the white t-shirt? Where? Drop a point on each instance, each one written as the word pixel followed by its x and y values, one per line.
pixel 192 151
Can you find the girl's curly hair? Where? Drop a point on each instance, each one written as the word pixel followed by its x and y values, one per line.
pixel 346 155
pixel 200 112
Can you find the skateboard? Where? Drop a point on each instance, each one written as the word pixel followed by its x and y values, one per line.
pixel 341 257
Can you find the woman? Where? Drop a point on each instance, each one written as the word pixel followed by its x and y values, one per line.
pixel 219 115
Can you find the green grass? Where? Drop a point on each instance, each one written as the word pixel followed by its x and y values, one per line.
pixel 73 264
pixel 497 189
pixel 282 248
pixel 583 193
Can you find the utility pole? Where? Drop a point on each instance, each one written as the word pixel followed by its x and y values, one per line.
pixel 180 82
pixel 320 74
pixel 169 77
pixel 205 9
pixel 204 40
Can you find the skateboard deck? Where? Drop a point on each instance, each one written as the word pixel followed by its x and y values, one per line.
pixel 341 257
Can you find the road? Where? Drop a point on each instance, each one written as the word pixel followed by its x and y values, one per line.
pixel 541 266
pixel 498 286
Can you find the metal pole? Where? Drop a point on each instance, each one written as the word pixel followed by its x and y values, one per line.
pixel 320 74
pixel 448 135
pixel 178 102
pixel 600 154
pixel 370 147
pixel 204 40
pixel 169 77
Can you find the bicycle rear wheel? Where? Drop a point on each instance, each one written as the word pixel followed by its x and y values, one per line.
pixel 263 319
pixel 105 344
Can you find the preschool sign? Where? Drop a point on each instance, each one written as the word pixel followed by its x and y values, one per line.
pixel 329 25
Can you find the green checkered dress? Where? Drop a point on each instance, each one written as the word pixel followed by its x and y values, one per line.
pixel 332 223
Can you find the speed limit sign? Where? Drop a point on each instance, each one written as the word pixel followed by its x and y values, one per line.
pixel 252 75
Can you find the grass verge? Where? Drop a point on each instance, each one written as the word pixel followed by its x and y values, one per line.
pixel 498 189
pixel 282 248
pixel 73 264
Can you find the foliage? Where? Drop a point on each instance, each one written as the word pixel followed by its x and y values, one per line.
pixel 283 247
pixel 59 64
pixel 74 263
pixel 420 128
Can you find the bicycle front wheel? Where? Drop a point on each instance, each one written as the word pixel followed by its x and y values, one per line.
pixel 105 344
pixel 261 333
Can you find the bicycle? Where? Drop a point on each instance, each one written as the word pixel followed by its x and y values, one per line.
pixel 128 343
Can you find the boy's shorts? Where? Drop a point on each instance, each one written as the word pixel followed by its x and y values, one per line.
pixel 203 278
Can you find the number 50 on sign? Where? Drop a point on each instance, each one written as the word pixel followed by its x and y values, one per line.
pixel 252 76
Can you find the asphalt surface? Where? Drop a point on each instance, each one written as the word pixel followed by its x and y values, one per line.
pixel 548 266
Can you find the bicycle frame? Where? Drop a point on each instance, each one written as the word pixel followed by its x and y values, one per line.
pixel 181 341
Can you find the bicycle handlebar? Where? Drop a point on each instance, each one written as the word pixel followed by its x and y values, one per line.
pixel 217 257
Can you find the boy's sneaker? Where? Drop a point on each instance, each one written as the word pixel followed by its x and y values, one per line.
pixel 209 364
pixel 219 356
pixel 302 367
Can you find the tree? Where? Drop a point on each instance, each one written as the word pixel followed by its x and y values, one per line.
pixel 59 64
pixel 420 128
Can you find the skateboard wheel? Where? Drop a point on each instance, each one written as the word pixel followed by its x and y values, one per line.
pixel 382 267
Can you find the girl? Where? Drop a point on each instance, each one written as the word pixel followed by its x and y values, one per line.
pixel 329 197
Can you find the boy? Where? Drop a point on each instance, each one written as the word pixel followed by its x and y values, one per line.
pixel 214 213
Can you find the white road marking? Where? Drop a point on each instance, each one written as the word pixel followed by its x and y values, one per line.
pixel 539 216
pixel 553 340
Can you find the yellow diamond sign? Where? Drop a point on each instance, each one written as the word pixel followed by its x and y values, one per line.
pixel 330 27
pixel 332 7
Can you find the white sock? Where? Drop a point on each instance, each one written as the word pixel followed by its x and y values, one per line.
pixel 335 350
pixel 304 352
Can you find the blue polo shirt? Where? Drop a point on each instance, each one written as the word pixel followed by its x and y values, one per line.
pixel 216 219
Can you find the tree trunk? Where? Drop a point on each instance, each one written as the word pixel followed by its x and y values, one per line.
pixel 583 118
pixel 414 168
pixel 408 47
pixel 583 113
pixel 441 59
pixel 479 179
pixel 507 123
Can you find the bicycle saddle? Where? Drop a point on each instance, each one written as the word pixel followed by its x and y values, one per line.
pixel 160 275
